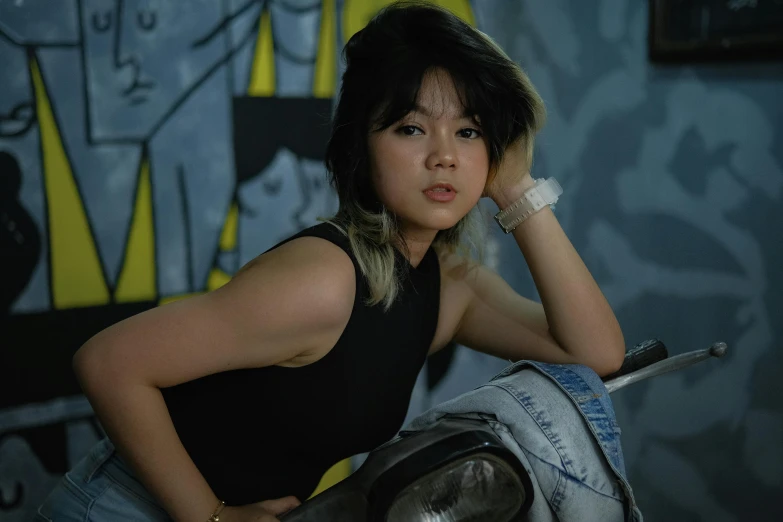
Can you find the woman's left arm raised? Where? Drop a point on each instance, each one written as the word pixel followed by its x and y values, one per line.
pixel 573 323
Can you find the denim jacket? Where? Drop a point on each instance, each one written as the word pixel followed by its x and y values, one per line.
pixel 559 421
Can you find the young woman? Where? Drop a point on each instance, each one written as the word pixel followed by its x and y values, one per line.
pixel 245 396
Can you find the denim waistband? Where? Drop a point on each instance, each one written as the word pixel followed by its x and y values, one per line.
pixel 105 459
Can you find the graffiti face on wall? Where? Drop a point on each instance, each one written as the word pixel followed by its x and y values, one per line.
pixel 16 105
pixel 143 59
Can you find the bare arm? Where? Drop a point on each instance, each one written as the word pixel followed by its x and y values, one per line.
pixel 288 303
pixel 579 319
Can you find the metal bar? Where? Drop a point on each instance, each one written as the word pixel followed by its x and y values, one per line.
pixel 670 364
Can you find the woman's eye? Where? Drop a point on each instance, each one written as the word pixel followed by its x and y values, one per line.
pixel 469 133
pixel 408 130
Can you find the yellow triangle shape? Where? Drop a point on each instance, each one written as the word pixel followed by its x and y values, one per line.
pixel 216 279
pixel 325 75
pixel 137 278
pixel 356 14
pixel 262 73
pixel 228 237
pixel 76 274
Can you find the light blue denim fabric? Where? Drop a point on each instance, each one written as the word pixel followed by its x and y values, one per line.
pixel 100 487
pixel 559 422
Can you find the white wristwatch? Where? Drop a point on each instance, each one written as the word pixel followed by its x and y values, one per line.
pixel 535 198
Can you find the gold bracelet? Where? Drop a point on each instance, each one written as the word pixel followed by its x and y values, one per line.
pixel 216 514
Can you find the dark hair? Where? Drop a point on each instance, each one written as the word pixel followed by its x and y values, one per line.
pixel 386 62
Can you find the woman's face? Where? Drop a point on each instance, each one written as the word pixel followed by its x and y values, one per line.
pixel 436 144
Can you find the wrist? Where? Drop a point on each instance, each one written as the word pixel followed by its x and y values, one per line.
pixel 512 193
pixel 217 513
pixel 533 199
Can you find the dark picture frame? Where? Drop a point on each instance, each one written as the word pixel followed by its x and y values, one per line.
pixel 715 30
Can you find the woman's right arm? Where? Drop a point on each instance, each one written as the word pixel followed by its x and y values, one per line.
pixel 289 302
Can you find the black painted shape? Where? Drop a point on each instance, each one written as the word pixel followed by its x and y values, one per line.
pixel 49 444
pixel 20 241
pixel 262 126
pixel 37 349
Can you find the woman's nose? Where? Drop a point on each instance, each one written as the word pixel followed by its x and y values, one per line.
pixel 442 155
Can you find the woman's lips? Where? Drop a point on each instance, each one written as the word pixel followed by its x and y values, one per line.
pixel 441 195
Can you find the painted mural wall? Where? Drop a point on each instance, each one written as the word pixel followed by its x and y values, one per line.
pixel 149 149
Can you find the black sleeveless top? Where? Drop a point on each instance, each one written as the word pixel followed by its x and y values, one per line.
pixel 265 433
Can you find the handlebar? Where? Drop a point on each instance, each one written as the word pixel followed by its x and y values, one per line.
pixel 640 356
pixel 647 362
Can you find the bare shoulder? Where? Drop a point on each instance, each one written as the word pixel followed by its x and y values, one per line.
pixel 319 256
pixel 285 307
pixel 307 271
pixel 309 286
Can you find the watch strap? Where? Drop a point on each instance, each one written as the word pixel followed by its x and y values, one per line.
pixel 545 192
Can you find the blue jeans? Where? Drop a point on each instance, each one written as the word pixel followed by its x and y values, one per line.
pixel 100 487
